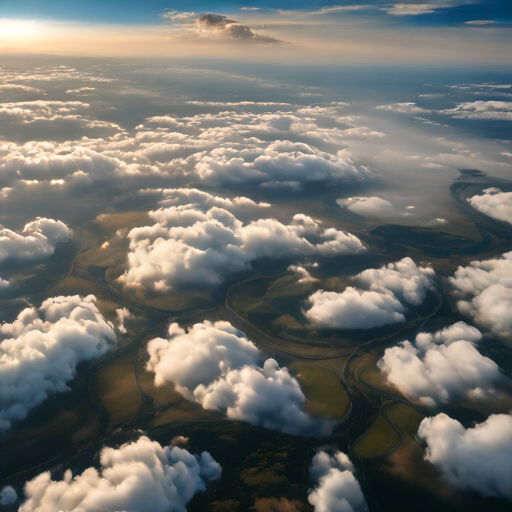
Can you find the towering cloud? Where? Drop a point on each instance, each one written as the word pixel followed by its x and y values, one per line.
pixel 336 489
pixel 382 301
pixel 41 349
pixel 484 292
pixel 216 366
pixel 477 459
pixel 142 476
pixel 495 203
pixel 217 25
pixel 441 367
pixel 191 247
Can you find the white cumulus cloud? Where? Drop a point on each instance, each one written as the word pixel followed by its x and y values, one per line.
pixel 494 203
pixel 216 366
pixel 41 349
pixel 381 301
pixel 484 293
pixel 142 476
pixel 336 490
pixel 441 367
pixel 37 240
pixel 477 459
pixel 191 247
pixel 367 206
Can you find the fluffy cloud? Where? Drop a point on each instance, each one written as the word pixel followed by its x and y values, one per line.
pixel 441 367
pixel 367 206
pixel 477 459
pixel 215 365
pixel 190 247
pixel 141 476
pixel 8 496
pixel 494 203
pixel 354 309
pixel 403 279
pixel 305 276
pixel 380 302
pixel 41 349
pixel 484 292
pixel 37 240
pixel 278 163
pixel 336 489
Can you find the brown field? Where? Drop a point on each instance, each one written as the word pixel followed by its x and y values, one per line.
pixel 324 391
pixel 117 388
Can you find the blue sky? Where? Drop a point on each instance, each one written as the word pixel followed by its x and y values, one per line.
pixel 135 11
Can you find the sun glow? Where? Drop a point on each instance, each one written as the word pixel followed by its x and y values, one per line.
pixel 16 32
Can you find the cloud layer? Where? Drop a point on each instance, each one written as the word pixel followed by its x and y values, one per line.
pixel 141 476
pixel 194 248
pixel 441 367
pixel 382 301
pixel 336 488
pixel 477 459
pixel 216 366
pixel 483 291
pixel 41 349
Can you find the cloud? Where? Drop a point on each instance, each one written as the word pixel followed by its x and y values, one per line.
pixel 8 495
pixel 122 315
pixel 37 240
pixel 367 206
pixel 380 302
pixel 216 366
pixel 141 476
pixel 476 459
pixel 479 22
pixel 483 291
pixel 486 110
pixel 19 87
pixel 336 489
pixel 410 9
pixel 414 9
pixel 494 203
pixel 41 349
pixel 441 367
pixel 306 277
pixel 194 248
pixel 279 162
pixel 228 148
pixel 405 108
pixel 403 279
pixel 173 196
pixel 354 309
pixel 30 111
pixel 216 25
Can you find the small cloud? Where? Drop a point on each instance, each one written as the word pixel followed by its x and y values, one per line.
pixel 479 22
pixel 217 25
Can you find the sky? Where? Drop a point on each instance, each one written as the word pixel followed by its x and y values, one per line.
pixel 454 31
